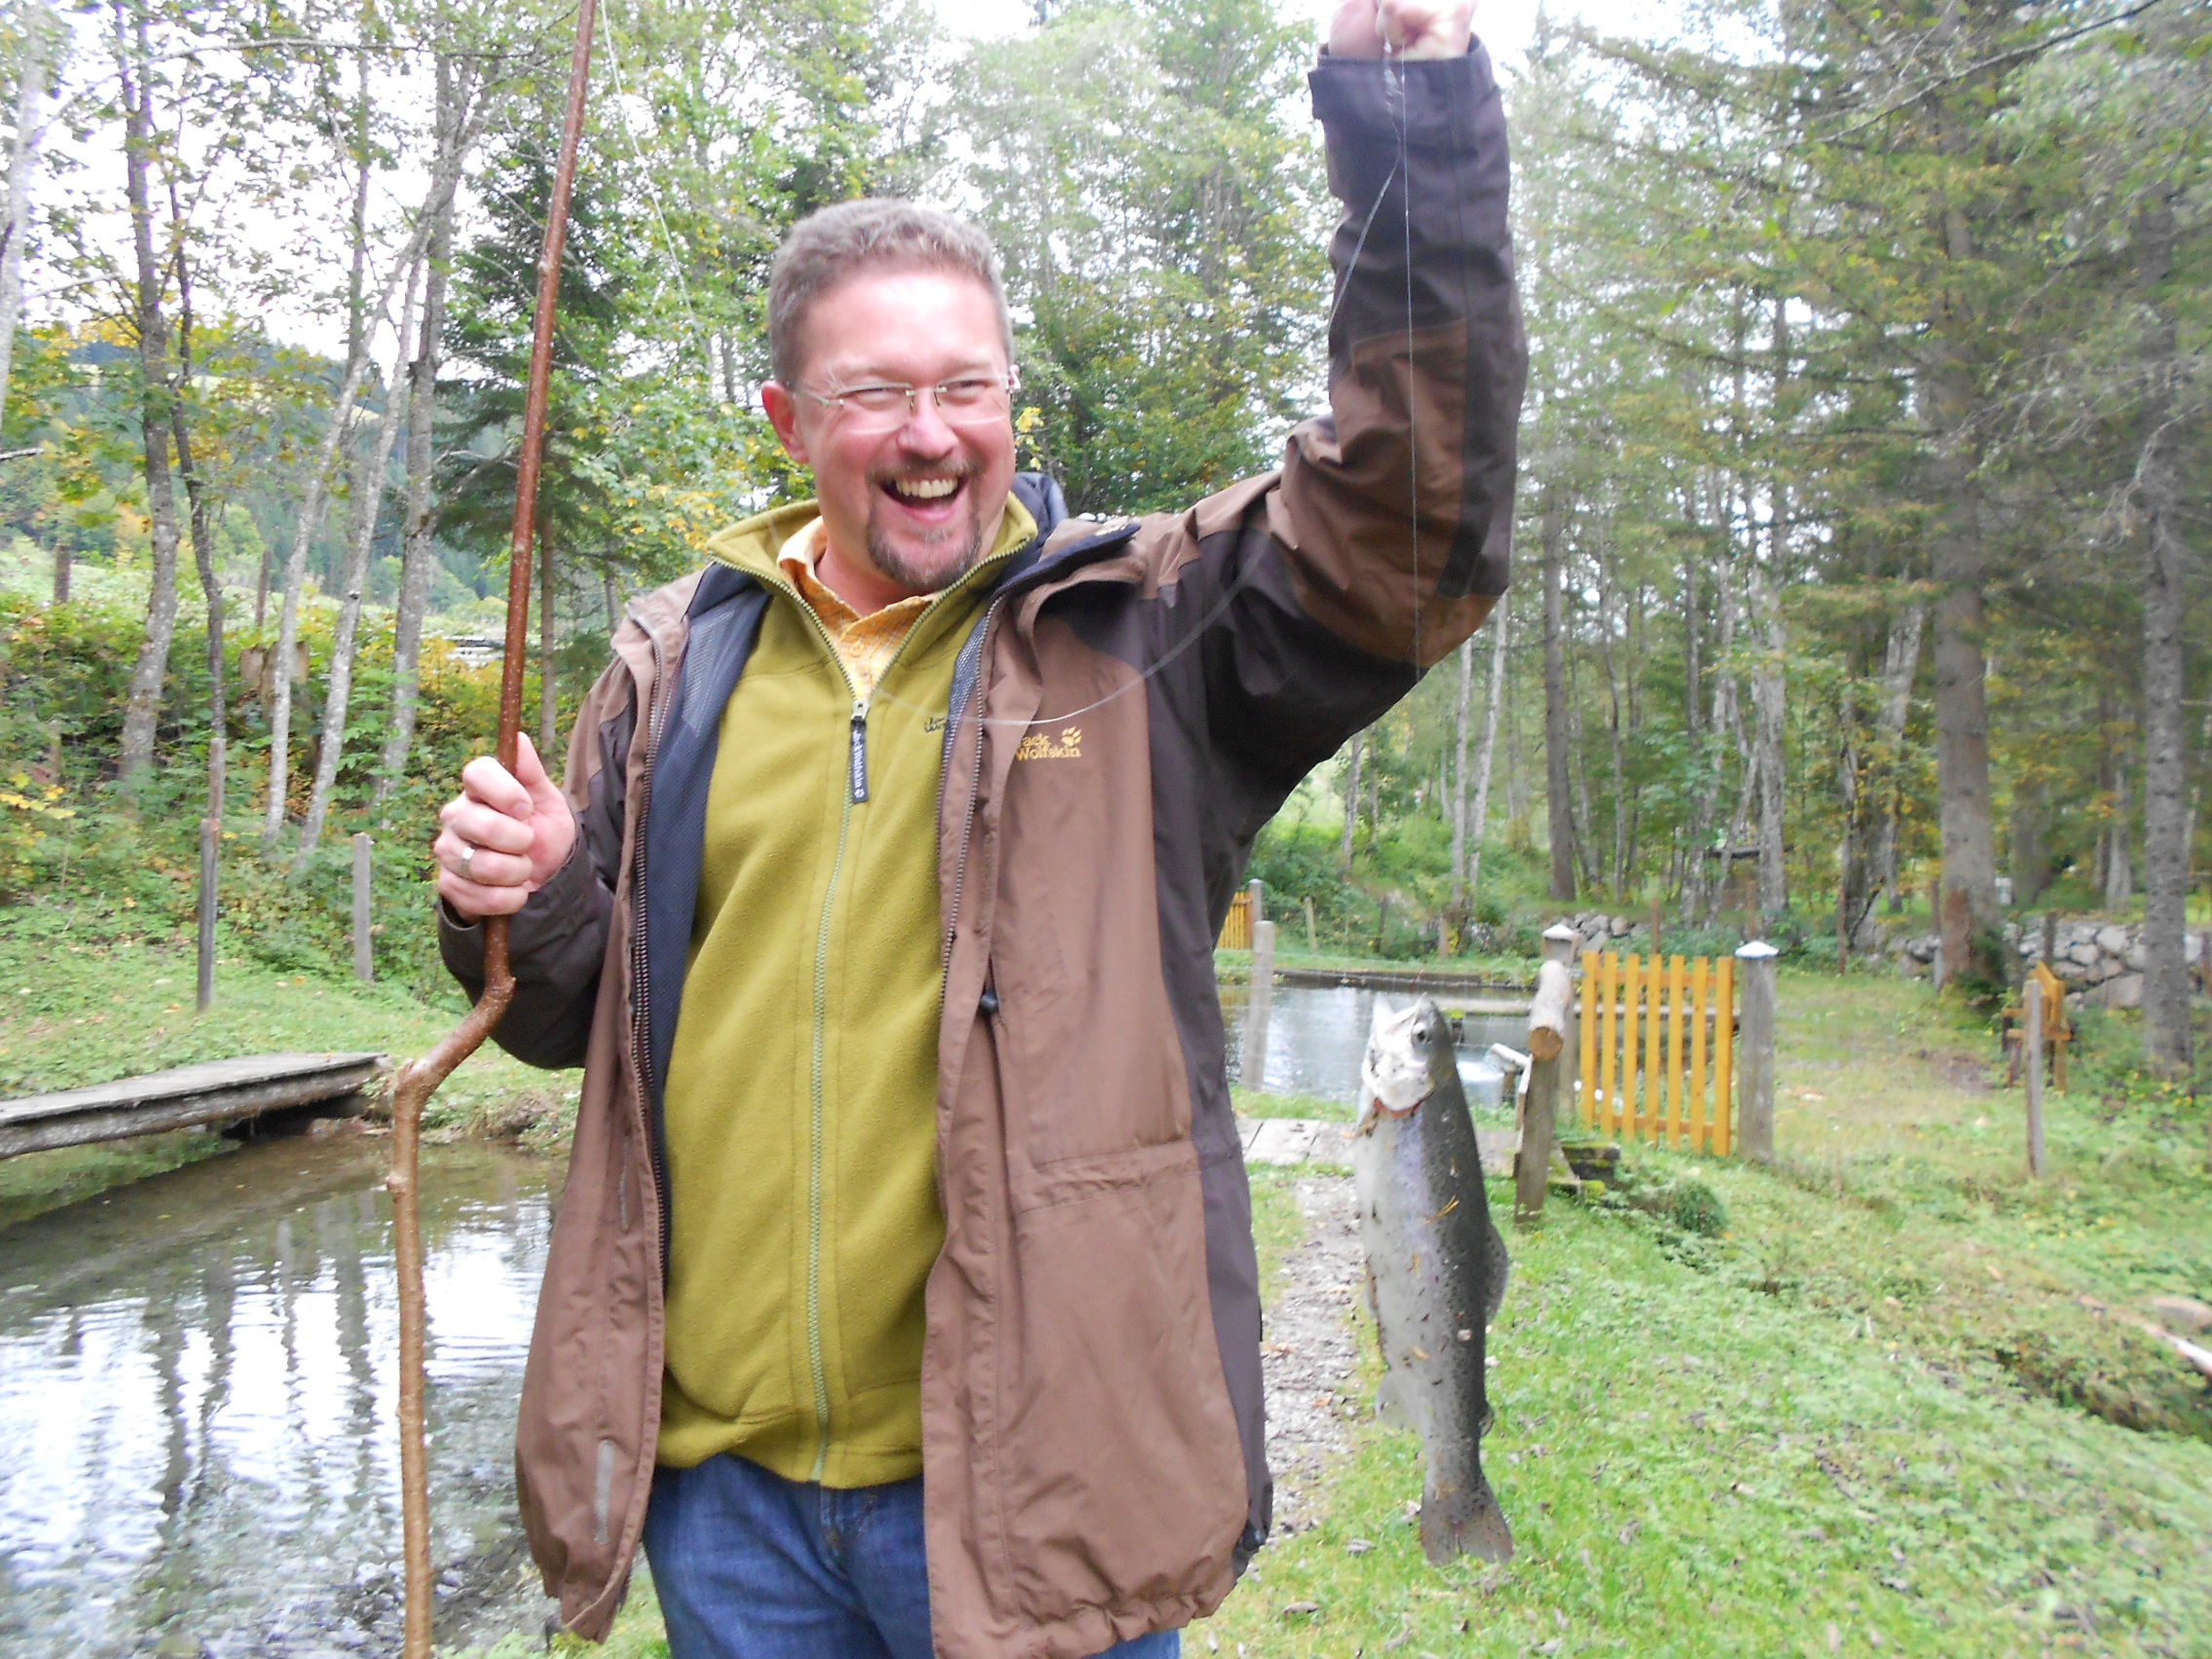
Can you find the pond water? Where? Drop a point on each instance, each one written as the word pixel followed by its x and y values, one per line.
pixel 197 1385
pixel 1316 1035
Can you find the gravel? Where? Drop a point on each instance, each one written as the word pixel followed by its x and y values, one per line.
pixel 1306 1355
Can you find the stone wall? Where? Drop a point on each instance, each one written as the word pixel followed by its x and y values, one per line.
pixel 2100 962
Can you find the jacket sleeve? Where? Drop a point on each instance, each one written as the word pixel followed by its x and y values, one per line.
pixel 1385 539
pixel 557 941
pixel 1395 510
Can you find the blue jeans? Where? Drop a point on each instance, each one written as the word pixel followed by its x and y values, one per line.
pixel 750 1566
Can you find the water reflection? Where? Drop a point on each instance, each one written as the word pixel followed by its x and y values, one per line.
pixel 1318 1033
pixel 197 1385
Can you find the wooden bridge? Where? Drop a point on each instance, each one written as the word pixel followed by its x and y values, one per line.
pixel 306 1086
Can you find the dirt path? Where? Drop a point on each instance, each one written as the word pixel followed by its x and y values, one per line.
pixel 1306 1354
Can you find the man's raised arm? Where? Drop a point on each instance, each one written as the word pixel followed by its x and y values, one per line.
pixel 1426 360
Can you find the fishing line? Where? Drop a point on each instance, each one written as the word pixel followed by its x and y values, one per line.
pixel 1220 608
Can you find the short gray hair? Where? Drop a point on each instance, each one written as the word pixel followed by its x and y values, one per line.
pixel 880 233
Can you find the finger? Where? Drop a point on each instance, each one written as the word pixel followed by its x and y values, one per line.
pixel 487 781
pixel 474 901
pixel 474 824
pixel 482 866
pixel 529 771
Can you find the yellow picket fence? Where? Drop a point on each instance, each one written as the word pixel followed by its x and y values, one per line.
pixel 1236 928
pixel 1649 1028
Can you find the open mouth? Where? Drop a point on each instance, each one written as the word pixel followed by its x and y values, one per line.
pixel 926 493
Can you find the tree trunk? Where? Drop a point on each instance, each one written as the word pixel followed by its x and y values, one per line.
pixel 1351 799
pixel 1558 780
pixel 1901 666
pixel 2166 811
pixel 419 563
pixel 42 38
pixel 1968 918
pixel 1480 824
pixel 443 179
pixel 318 481
pixel 203 546
pixel 345 644
pixel 1462 716
pixel 2119 833
pixel 133 64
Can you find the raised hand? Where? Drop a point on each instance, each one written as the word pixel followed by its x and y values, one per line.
pixel 1402 29
pixel 503 836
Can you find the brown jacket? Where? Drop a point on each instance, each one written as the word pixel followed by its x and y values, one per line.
pixel 1135 704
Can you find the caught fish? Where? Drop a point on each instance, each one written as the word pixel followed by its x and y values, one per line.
pixel 1436 1269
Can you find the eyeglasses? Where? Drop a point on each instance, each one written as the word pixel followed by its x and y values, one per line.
pixel 972 400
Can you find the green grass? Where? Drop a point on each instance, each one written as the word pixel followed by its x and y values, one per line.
pixel 85 999
pixel 1693 1467
pixel 1251 1103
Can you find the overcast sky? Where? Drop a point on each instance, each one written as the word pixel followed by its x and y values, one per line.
pixel 1503 24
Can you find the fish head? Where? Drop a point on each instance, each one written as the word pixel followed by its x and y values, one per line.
pixel 1410 1054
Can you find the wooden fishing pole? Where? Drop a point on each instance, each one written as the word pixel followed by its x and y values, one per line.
pixel 420 1081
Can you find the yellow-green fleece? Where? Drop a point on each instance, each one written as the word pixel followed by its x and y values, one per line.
pixel 801 1094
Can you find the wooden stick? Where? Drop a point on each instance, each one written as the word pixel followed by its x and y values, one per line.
pixel 420 1081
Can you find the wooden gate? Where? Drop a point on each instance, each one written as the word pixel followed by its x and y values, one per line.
pixel 1236 926
pixel 1658 1048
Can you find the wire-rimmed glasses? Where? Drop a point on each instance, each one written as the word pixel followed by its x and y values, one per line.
pixel 965 400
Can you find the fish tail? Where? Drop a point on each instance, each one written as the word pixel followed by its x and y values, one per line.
pixel 1462 1518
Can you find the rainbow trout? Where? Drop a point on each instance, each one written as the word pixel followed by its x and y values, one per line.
pixel 1435 1269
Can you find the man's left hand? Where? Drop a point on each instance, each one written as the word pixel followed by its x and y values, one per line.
pixel 1402 29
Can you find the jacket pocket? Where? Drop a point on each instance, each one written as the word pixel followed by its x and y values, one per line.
pixel 1120 1465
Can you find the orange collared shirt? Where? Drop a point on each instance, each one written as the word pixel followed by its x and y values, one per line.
pixel 865 644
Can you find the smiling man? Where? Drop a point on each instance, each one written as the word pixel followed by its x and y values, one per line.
pixel 902 1295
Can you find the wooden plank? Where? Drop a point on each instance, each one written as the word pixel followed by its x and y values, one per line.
pixel 181 1097
pixel 1586 1072
pixel 1677 988
pixel 1608 1052
pixel 1654 1055
pixel 1724 1054
pixel 1701 991
pixel 1631 1052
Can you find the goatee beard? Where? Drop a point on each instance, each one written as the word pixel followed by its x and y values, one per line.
pixel 917 579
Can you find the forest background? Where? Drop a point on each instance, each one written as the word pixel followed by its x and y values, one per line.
pixel 1863 494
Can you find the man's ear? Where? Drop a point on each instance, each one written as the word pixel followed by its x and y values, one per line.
pixel 783 415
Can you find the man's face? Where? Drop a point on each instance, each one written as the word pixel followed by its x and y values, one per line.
pixel 919 501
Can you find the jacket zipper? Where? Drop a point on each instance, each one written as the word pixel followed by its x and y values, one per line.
pixel 855 794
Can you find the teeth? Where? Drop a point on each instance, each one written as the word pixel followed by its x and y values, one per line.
pixel 926 489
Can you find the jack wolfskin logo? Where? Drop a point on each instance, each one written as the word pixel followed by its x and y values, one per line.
pixel 1042 746
pixel 933 723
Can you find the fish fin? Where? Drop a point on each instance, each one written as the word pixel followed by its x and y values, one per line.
pixel 1500 1270
pixel 1464 1520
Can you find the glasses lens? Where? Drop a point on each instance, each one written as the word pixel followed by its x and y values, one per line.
pixel 975 400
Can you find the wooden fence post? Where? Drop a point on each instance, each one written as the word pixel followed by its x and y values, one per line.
pixel 1754 1060
pixel 1548 1017
pixel 1254 1066
pixel 364 951
pixel 1560 942
pixel 1258 892
pixel 2033 998
pixel 1311 947
pixel 210 850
